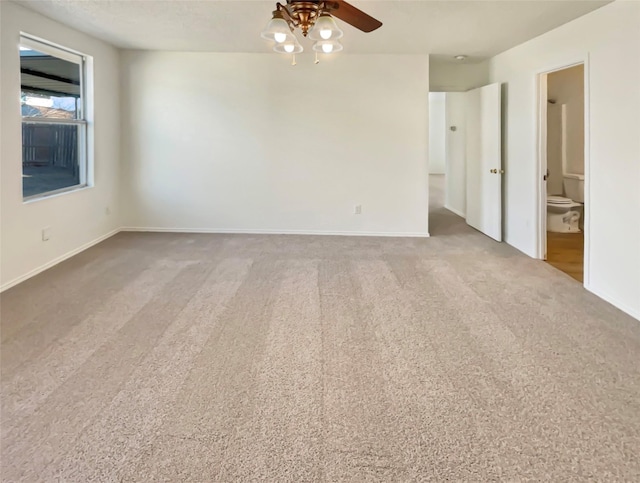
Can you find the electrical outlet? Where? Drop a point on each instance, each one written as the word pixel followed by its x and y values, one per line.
pixel 357 210
pixel 46 233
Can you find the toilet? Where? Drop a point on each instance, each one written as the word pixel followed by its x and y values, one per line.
pixel 564 214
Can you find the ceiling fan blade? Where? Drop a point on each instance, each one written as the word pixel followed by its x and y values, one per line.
pixel 353 16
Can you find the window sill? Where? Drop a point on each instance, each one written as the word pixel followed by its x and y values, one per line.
pixel 55 194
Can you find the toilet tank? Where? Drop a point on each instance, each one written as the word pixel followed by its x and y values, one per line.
pixel 574 186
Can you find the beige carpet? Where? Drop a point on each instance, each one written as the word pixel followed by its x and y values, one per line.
pixel 177 357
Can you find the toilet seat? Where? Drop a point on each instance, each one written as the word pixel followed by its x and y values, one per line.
pixel 558 200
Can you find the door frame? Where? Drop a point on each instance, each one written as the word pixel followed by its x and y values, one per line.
pixel 541 185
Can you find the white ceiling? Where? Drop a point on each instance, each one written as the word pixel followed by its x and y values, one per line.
pixel 477 28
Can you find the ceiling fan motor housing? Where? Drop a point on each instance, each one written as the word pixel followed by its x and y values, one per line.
pixel 303 13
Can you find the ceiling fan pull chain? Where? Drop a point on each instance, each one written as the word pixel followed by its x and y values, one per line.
pixel 293 59
pixel 317 61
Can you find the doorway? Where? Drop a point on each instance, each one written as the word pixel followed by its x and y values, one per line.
pixel 465 128
pixel 562 156
pixel 437 149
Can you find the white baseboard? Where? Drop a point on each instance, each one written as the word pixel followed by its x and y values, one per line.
pixel 606 297
pixel 57 260
pixel 616 303
pixel 75 251
pixel 273 232
pixel 457 212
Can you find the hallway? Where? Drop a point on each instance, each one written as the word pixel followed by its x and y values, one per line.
pixel 442 221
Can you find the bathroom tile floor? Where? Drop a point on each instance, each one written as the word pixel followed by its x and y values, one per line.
pixel 565 251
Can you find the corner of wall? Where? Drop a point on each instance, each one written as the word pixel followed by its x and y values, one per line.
pixel 80 218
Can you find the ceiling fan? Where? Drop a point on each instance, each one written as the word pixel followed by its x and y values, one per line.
pixel 315 20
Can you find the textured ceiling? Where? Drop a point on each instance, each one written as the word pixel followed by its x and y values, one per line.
pixel 476 28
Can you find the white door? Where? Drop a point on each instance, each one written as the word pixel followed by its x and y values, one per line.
pixel 484 160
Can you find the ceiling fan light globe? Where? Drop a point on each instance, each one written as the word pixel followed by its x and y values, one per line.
pixel 276 26
pixel 327 46
pixel 288 47
pixel 279 37
pixel 325 28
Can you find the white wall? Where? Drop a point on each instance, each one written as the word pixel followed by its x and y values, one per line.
pixel 610 39
pixel 247 142
pixel 76 218
pixel 566 87
pixel 456 174
pixel 437 140
pixel 555 128
pixel 447 76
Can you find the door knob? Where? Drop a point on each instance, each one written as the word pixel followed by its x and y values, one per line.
pixel 493 171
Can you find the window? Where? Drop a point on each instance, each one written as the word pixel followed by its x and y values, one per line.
pixel 54 124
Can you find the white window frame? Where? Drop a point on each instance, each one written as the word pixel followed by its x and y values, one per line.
pixel 82 123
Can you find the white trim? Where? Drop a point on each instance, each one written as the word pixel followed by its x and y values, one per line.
pixel 541 159
pixel 50 48
pixel 85 112
pixel 457 212
pixel 57 260
pixel 606 297
pixel 54 194
pixel 541 187
pixel 53 120
pixel 82 248
pixel 614 301
pixel 586 213
pixel 88 107
pixel 239 231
